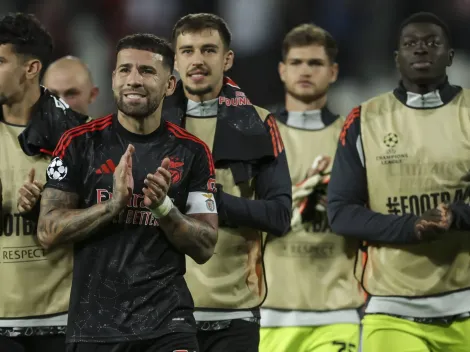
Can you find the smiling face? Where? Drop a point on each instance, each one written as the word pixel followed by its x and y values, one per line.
pixel 201 60
pixel 140 82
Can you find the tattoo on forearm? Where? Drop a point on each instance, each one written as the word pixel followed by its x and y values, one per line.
pixel 191 236
pixel 61 222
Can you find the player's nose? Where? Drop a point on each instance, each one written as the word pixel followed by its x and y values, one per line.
pixel 134 78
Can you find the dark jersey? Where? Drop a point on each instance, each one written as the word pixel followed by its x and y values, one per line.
pixel 50 118
pixel 128 279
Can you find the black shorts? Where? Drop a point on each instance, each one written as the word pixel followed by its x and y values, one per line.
pixel 176 342
pixel 49 343
pixel 239 336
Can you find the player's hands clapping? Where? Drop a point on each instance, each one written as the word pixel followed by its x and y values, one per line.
pixel 123 182
pixel 30 193
pixel 157 185
pixel 434 222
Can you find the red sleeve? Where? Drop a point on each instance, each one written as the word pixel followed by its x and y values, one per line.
pixel 276 139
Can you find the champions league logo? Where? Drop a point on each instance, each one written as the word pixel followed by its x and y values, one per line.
pixel 391 140
pixel 56 169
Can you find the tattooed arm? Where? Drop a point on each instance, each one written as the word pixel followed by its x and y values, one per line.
pixel 194 235
pixel 61 222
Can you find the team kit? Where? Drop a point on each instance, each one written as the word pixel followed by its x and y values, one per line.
pixel 190 219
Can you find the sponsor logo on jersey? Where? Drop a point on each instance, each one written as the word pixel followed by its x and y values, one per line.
pixel 107 168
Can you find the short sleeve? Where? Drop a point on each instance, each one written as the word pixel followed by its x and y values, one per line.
pixel 49 123
pixel 202 187
pixel 63 172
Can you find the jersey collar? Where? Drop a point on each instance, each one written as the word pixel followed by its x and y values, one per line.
pixel 441 96
pixel 202 109
pixel 139 138
pixel 307 120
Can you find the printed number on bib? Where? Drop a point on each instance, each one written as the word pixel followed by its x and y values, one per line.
pixel 345 347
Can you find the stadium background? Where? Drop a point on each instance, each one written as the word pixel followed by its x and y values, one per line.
pixel 366 31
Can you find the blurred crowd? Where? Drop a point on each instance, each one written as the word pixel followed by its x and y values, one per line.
pixel 88 29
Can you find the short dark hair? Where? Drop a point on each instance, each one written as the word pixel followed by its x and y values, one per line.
pixel 427 17
pixel 309 34
pixel 197 22
pixel 27 36
pixel 149 42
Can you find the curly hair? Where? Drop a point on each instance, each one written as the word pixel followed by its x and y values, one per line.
pixel 149 42
pixel 27 36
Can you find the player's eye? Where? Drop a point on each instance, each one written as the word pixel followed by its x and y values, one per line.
pixel 210 50
pixel 124 69
pixel 185 51
pixel 315 63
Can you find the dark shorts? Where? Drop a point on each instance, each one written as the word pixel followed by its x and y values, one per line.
pixel 49 343
pixel 239 336
pixel 176 342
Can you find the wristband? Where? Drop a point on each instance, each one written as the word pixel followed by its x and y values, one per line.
pixel 163 209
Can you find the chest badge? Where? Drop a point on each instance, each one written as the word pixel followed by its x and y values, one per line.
pixel 176 169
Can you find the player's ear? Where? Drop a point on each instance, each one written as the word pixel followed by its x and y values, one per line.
pixel 395 56
pixel 281 68
pixel 113 78
pixel 334 69
pixel 171 85
pixel 94 94
pixel 33 68
pixel 229 56
pixel 451 56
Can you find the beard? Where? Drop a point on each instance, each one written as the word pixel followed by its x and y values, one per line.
pixel 137 111
pixel 306 98
pixel 198 91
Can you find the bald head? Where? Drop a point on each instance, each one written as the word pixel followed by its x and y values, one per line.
pixel 70 79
